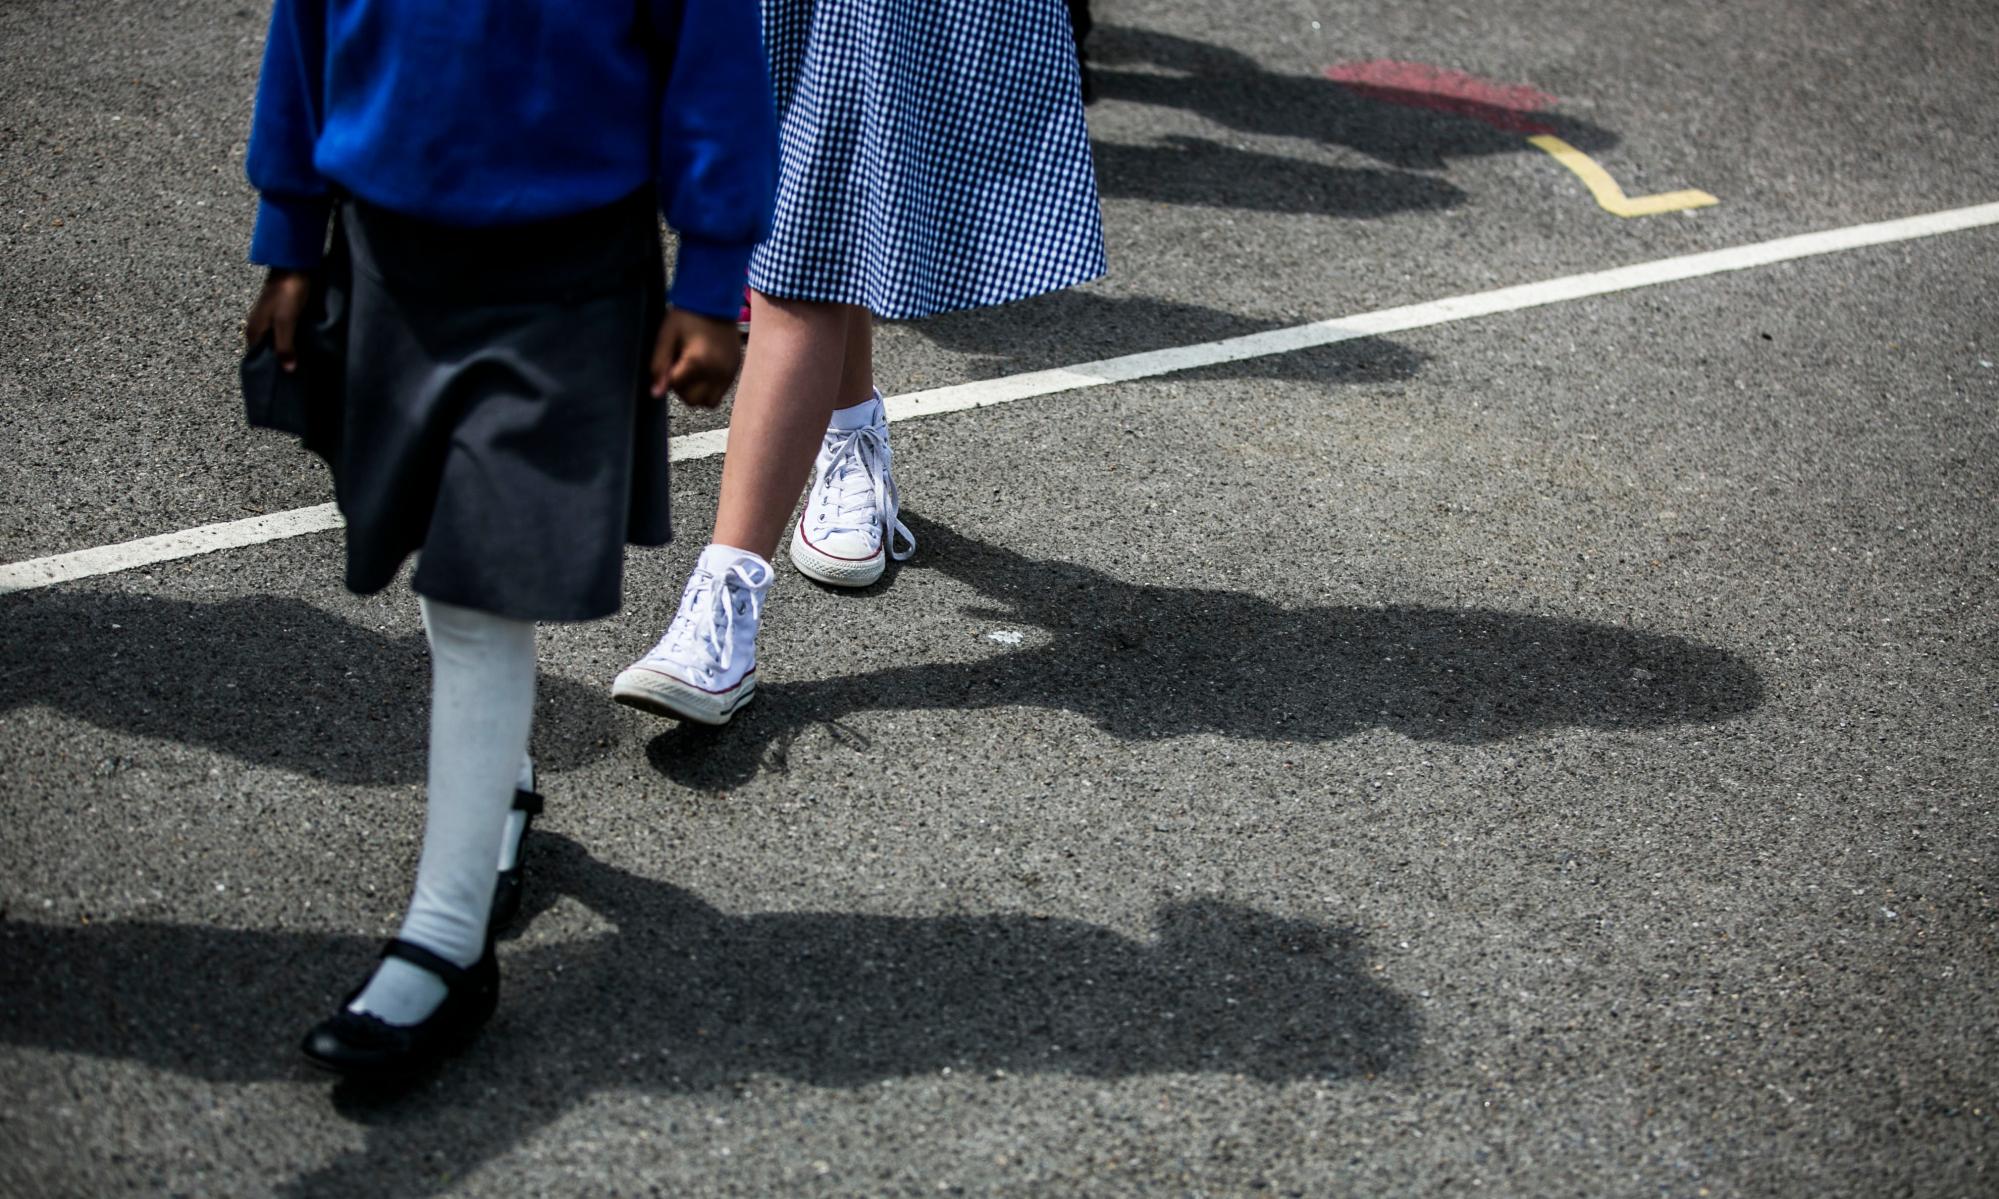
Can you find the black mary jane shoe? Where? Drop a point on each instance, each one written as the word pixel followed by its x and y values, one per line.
pixel 360 1045
pixel 507 890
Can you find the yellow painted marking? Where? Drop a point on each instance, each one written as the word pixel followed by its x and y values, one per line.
pixel 1610 196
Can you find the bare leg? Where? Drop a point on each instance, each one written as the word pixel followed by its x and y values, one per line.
pixel 805 360
pixel 857 376
pixel 795 375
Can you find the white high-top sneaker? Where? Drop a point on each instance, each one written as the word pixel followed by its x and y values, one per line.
pixel 705 667
pixel 849 529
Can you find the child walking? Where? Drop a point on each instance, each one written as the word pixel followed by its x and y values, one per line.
pixel 934 157
pixel 492 177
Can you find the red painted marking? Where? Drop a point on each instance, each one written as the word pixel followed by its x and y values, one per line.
pixel 1506 106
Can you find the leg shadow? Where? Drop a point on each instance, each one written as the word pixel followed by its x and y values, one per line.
pixel 270 681
pixel 1233 90
pixel 685 998
pixel 1144 663
pixel 1195 171
pixel 1066 327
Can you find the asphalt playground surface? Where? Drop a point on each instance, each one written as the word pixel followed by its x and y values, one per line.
pixel 1551 753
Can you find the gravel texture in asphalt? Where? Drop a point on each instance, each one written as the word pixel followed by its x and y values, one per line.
pixel 1545 754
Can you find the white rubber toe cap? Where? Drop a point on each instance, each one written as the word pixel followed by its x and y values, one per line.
pixel 649 690
pixel 841 560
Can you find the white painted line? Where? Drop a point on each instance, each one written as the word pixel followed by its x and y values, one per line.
pixel 1436 312
pixel 110 559
pixel 235 534
pixel 83 564
pixel 689 446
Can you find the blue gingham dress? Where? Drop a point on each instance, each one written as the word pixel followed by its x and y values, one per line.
pixel 934 155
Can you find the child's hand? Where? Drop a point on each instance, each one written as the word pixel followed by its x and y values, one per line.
pixel 696 358
pixel 277 313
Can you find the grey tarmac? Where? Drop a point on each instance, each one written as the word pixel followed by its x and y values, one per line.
pixel 1550 754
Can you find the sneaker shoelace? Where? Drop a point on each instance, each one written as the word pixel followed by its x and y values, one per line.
pixel 860 489
pixel 702 637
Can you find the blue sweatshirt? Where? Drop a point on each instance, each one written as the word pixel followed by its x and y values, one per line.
pixel 496 112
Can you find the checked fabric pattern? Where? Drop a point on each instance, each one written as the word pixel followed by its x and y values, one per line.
pixel 934 155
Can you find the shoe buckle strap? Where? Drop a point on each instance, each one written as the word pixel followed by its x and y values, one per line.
pixel 449 972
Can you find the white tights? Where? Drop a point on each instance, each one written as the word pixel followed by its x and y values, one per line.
pixel 481 709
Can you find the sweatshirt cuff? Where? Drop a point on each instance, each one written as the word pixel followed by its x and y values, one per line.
pixel 709 276
pixel 290 234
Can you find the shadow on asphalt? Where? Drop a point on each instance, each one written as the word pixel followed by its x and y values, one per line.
pixel 1145 663
pixel 1233 90
pixel 683 997
pixel 1195 171
pixel 271 681
pixel 1066 327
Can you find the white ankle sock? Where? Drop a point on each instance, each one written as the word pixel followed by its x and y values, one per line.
pixel 481 708
pixel 857 416
pixel 717 558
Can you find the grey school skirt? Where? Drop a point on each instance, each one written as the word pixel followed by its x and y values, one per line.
pixel 495 413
